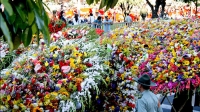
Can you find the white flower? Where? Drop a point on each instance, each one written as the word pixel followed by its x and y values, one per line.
pixel 2 54
pixel 37 67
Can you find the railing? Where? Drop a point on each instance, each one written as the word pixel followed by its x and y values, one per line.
pixel 114 26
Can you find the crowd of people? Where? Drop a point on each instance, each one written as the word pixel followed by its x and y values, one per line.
pixel 100 19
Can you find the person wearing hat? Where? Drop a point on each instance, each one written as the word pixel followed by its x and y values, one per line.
pixel 148 102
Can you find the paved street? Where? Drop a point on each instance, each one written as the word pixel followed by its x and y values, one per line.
pixel 167 107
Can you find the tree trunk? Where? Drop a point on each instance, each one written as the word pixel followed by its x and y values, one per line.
pixel 155 9
pixel 196 7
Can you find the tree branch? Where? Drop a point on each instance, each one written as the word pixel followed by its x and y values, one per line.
pixel 150 4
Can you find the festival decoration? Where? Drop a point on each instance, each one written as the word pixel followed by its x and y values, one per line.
pixel 80 71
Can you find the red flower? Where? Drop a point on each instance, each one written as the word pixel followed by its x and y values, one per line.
pixel 99 31
pixel 51 63
pixel 88 64
pixel 79 87
pixel 131 105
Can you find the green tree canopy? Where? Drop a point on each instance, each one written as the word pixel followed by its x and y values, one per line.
pixel 21 19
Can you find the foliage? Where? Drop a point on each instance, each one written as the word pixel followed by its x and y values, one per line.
pixel 104 3
pixel 21 19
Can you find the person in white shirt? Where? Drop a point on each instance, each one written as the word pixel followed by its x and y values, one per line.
pixel 76 20
pixel 128 20
pixel 91 19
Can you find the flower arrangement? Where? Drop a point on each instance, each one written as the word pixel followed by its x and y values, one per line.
pixel 164 51
pixel 56 25
pixel 58 77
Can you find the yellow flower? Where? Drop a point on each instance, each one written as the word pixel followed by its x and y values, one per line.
pixel 85 54
pixel 157 58
pixel 173 60
pixel 56 67
pixel 186 62
pixel 8 97
pixel 52 48
pixel 54 73
pixel 55 55
pixel 125 108
pixel 107 62
pixel 122 76
pixel 107 79
pixel 53 95
pixel 47 102
pixel 112 108
pixel 78 60
pixel 173 53
pixel 47 96
pixel 171 44
pixel 7 73
pixel 23 107
pixel 72 65
pixel 174 80
pixel 65 93
pixel 46 64
pixel 196 59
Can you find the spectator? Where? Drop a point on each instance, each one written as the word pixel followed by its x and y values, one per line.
pixel 61 17
pixel 97 23
pixel 128 20
pixel 148 102
pixel 91 19
pixel 76 20
pixel 82 19
pixel 107 23
pixel 85 19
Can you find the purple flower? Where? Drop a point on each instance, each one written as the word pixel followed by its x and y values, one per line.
pixel 170 85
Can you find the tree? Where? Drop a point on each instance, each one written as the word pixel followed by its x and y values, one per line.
pixel 127 5
pixel 155 8
pixel 21 19
pixel 111 3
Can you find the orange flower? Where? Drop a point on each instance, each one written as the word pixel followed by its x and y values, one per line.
pixel 79 80
pixel 37 109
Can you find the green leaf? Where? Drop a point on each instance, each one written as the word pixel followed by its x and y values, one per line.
pixel 27 36
pixel 74 88
pixel 7 6
pixel 102 4
pixel 31 18
pixel 10 18
pixel 6 32
pixel 39 21
pixel 46 6
pixel 21 13
pixel 90 1
pixel 19 22
pixel 16 42
pixel 34 28
pixel 108 5
pixel 96 1
pixel 46 18
pixel 113 3
pixel 15 27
